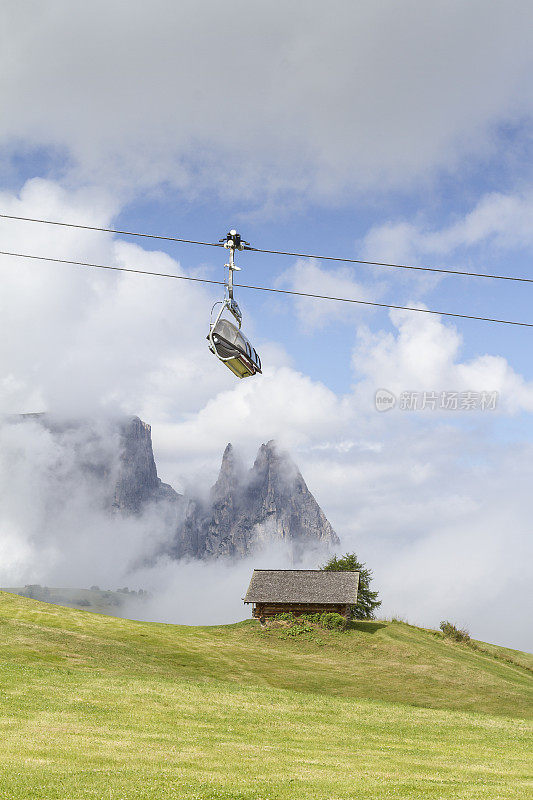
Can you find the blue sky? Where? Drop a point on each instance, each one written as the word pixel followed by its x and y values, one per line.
pixel 374 131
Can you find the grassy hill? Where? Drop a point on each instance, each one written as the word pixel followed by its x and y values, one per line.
pixel 102 601
pixel 99 707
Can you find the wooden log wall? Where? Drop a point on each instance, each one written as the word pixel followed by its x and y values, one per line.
pixel 271 609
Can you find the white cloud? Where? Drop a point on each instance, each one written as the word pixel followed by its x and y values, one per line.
pixel 281 404
pixel 308 276
pixel 425 356
pixel 252 101
pixel 498 220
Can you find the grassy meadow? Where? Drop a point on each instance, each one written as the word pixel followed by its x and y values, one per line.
pixel 101 601
pixel 97 707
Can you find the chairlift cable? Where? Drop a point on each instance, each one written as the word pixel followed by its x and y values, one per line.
pixel 443 270
pixel 440 270
pixel 115 269
pixel 269 289
pixel 110 230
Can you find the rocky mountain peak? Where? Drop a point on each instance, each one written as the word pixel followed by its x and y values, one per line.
pixel 269 503
pixel 138 479
pixel 229 476
pixel 230 461
pixel 269 453
pixel 138 482
pixel 274 474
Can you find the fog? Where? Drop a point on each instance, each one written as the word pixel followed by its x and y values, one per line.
pixel 210 593
pixel 57 521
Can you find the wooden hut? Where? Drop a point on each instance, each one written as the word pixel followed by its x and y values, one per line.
pixel 301 591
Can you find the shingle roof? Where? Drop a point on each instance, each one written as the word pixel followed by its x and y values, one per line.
pixel 302 586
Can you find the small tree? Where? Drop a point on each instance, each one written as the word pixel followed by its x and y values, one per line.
pixel 367 600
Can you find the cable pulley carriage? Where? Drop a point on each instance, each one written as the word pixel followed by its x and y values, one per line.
pixel 226 339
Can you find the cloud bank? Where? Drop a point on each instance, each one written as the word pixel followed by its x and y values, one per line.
pixel 245 101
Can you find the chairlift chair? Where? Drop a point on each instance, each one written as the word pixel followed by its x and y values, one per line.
pixel 226 340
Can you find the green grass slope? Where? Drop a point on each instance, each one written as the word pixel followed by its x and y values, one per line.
pixel 98 707
pixel 102 601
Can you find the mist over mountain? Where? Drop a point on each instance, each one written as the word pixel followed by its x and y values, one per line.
pixel 113 456
pixel 100 470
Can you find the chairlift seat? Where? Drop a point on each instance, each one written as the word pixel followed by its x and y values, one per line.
pixel 230 345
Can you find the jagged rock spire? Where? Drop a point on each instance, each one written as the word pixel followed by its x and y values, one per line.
pixel 230 474
pixel 270 503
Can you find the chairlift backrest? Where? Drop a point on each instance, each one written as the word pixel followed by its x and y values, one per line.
pixel 229 331
pixel 229 343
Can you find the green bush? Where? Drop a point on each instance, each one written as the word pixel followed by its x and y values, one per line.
pixel 303 623
pixel 311 618
pixel 453 632
pixel 332 621
pixel 300 627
